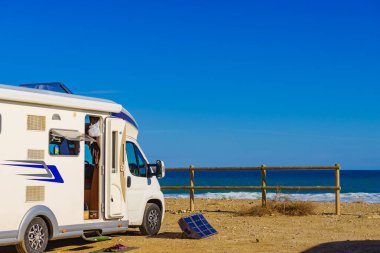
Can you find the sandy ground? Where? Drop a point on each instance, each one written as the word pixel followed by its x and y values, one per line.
pixel 356 230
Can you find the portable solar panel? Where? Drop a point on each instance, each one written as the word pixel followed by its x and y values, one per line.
pixel 196 226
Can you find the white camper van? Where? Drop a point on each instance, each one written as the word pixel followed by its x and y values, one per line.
pixel 71 165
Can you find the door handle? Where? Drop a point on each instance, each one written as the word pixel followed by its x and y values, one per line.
pixel 129 181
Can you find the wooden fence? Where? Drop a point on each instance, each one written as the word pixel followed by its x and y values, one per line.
pixel 264 187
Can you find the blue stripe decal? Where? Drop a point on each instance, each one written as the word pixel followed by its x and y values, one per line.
pixel 52 174
pixel 125 117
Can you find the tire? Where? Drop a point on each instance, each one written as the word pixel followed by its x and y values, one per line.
pixel 36 237
pixel 152 220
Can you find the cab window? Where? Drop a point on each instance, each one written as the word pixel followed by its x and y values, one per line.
pixel 132 161
pixel 136 161
pixel 142 163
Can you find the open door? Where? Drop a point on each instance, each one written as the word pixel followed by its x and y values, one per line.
pixel 115 207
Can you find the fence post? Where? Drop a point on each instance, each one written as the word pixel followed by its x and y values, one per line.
pixel 337 191
pixel 263 185
pixel 191 170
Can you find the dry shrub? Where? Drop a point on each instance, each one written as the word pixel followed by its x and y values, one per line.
pixel 259 211
pixel 286 207
pixel 281 204
pixel 294 208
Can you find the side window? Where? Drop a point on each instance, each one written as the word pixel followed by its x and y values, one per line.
pixel 136 161
pixel 132 161
pixel 142 163
pixel 64 142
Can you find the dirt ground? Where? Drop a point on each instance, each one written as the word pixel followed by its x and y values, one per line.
pixel 356 230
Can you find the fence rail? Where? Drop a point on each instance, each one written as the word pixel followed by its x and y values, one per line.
pixel 191 187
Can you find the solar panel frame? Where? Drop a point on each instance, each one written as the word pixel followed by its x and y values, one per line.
pixel 197 226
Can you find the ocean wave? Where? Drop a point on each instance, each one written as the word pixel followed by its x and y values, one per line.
pixel 324 197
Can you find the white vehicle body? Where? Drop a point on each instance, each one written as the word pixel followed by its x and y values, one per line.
pixel 36 182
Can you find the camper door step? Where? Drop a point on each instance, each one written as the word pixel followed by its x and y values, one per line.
pixel 97 238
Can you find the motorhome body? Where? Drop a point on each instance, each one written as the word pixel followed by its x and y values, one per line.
pixel 75 163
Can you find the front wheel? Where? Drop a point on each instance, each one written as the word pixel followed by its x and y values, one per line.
pixel 35 238
pixel 152 220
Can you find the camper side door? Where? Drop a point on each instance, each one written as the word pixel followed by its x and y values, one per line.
pixel 115 198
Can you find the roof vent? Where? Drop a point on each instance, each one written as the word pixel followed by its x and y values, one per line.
pixel 56 116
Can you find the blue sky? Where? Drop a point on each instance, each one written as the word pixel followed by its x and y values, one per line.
pixel 215 83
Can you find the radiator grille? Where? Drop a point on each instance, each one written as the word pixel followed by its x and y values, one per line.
pixel 35 154
pixel 36 123
pixel 35 193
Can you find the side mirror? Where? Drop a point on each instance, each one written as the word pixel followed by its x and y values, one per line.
pixel 160 169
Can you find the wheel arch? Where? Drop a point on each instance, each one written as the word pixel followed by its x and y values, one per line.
pixel 157 202
pixel 155 197
pixel 44 213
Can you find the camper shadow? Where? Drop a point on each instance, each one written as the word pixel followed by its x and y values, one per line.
pixel 8 249
pixel 76 245
pixel 171 235
pixel 346 246
pixel 164 235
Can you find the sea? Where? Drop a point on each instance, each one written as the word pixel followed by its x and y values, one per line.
pixel 357 185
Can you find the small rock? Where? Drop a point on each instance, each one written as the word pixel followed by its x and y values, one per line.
pixel 257 240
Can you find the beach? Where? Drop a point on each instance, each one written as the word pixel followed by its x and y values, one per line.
pixel 356 230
